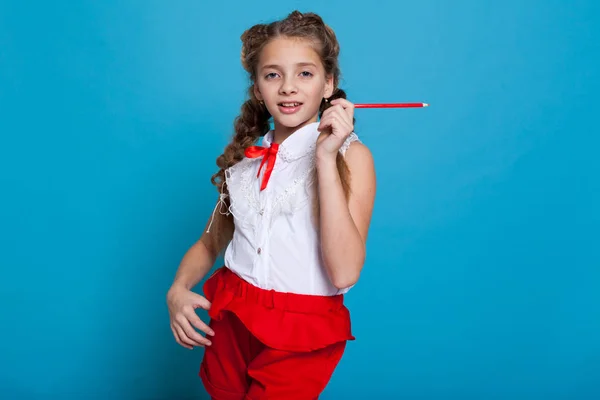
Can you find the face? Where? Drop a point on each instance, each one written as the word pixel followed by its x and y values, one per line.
pixel 291 81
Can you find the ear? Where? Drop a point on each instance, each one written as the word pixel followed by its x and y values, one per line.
pixel 328 87
pixel 257 92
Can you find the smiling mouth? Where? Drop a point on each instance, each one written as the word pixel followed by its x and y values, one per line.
pixel 290 108
pixel 290 105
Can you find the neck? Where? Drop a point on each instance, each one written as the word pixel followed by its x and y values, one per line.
pixel 281 132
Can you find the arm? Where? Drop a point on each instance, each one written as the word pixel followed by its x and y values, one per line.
pixel 200 257
pixel 344 224
pixel 181 301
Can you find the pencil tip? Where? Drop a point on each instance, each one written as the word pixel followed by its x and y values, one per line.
pixel 425 105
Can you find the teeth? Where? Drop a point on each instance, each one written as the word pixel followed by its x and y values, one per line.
pixel 290 104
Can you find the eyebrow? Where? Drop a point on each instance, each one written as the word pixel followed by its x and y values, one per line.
pixel 302 64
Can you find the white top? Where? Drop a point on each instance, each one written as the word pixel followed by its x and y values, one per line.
pixel 275 244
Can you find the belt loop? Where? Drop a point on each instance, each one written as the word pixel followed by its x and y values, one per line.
pixel 272 299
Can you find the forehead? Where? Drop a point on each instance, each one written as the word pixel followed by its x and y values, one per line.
pixel 288 51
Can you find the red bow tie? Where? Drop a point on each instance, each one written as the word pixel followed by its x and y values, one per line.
pixel 269 155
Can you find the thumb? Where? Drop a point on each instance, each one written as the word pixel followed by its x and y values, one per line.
pixel 200 301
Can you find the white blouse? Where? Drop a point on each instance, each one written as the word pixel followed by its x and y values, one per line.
pixel 275 244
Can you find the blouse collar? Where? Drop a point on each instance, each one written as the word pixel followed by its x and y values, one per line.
pixel 298 144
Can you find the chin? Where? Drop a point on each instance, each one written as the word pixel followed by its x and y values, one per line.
pixel 293 121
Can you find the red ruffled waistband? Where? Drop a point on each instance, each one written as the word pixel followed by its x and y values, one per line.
pixel 284 321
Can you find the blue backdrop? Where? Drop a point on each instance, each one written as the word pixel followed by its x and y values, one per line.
pixel 483 271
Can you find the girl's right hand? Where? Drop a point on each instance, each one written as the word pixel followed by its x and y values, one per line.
pixel 182 304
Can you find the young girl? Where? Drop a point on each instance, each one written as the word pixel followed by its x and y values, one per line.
pixel 292 216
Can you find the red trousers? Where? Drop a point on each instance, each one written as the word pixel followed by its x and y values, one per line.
pixel 270 345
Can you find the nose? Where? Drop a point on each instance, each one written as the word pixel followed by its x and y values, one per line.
pixel 288 86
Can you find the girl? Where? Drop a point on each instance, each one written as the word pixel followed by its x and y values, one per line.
pixel 292 223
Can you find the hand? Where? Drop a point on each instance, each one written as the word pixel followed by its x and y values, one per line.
pixel 182 304
pixel 336 125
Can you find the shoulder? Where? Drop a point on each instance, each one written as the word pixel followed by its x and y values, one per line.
pixel 238 167
pixel 357 154
pixel 361 166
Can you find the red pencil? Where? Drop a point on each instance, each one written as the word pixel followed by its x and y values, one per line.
pixel 391 105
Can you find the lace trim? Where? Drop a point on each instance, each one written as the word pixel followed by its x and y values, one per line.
pixel 288 156
pixel 352 138
pixel 245 184
pixel 299 182
pixel 281 200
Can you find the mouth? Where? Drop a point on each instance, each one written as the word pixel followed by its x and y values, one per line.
pixel 289 107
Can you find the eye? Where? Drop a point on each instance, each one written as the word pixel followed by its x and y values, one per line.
pixel 306 74
pixel 270 75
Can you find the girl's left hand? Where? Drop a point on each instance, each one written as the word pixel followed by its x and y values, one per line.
pixel 335 127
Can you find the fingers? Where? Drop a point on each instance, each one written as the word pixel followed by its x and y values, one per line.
pixel 185 339
pixel 178 338
pixel 347 105
pixel 346 115
pixel 334 121
pixel 184 319
pixel 188 334
pixel 193 318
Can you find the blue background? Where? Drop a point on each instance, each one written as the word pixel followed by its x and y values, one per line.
pixel 483 271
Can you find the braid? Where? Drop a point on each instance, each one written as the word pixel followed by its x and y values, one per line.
pixel 249 125
pixel 252 123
